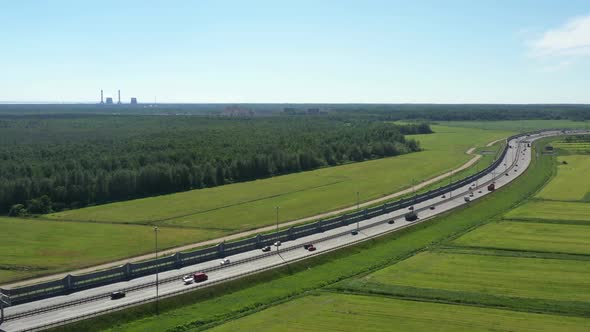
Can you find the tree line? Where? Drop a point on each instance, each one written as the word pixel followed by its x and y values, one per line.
pixel 50 164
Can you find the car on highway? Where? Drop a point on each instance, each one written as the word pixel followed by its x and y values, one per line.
pixel 266 249
pixel 311 248
pixel 200 277
pixel 467 198
pixel 443 196
pixel 391 221
pixel 277 244
pixel 432 207
pixel 307 245
pixel 188 279
pixel 354 232
pixel 117 295
pixel 411 208
pixel 224 261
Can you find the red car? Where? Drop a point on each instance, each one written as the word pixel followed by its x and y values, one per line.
pixel 311 248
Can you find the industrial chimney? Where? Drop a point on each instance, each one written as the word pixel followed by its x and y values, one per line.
pixel 119 101
pixel 101 97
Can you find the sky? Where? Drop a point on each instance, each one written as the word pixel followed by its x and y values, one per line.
pixel 300 51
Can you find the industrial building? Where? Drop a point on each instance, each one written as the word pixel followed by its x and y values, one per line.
pixel 109 100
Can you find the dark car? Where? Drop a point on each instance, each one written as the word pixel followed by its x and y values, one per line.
pixel 411 208
pixel 391 221
pixel 265 249
pixel 354 232
pixel 306 246
pixel 117 295
pixel 311 248
pixel 432 207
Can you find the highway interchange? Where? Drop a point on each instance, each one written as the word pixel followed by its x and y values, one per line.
pixel 62 309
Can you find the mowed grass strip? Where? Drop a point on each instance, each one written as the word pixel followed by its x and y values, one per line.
pixel 35 247
pixel 551 279
pixel 572 182
pixel 551 210
pixel 250 205
pixel 559 238
pixel 339 312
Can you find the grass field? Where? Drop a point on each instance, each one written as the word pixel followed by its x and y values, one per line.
pixel 560 238
pixel 36 247
pixel 571 182
pixel 217 211
pixel 518 125
pixel 551 210
pixel 250 205
pixel 338 312
pixel 199 310
pixel 573 147
pixel 553 279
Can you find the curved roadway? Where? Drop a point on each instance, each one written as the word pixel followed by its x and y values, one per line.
pixel 62 309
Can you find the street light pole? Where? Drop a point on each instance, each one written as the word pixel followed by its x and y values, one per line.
pixel 357 210
pixel 277 232
pixel 450 183
pixel 157 268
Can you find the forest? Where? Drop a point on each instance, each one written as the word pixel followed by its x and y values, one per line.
pixel 55 162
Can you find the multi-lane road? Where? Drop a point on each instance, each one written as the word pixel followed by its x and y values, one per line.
pixel 62 309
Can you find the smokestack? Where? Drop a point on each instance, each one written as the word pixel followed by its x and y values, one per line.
pixel 101 97
pixel 119 92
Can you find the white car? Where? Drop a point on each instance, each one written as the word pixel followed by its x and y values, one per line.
pixel 277 244
pixel 224 261
pixel 188 279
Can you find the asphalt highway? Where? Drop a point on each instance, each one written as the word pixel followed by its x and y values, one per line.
pixel 57 310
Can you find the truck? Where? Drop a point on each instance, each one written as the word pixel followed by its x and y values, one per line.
pixel 411 216
pixel 491 187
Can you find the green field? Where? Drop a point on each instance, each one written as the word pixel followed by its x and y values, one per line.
pixel 553 279
pixel 551 210
pixel 573 147
pixel 250 205
pixel 560 238
pixel 571 182
pixel 37 247
pixel 339 312
pixel 199 310
pixel 518 125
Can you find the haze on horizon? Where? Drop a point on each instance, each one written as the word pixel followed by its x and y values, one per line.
pixel 297 52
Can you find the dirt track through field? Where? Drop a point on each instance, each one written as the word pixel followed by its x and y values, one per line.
pixel 240 235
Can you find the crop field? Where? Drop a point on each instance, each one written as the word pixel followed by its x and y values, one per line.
pixel 250 205
pixel 510 276
pixel 570 184
pixel 561 238
pixel 519 125
pixel 551 210
pixel 35 247
pixel 339 312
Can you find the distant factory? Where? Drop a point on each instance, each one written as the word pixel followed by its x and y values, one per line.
pixel 109 100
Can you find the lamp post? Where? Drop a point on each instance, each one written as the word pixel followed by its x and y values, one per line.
pixel 357 210
pixel 157 268
pixel 277 232
pixel 450 183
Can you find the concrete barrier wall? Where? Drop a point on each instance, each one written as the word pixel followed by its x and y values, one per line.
pixel 134 270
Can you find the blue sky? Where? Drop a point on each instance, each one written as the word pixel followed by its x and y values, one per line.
pixel 364 51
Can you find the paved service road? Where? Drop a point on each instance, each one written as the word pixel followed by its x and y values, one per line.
pixel 61 308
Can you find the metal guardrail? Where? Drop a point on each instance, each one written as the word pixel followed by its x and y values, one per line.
pixel 127 272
